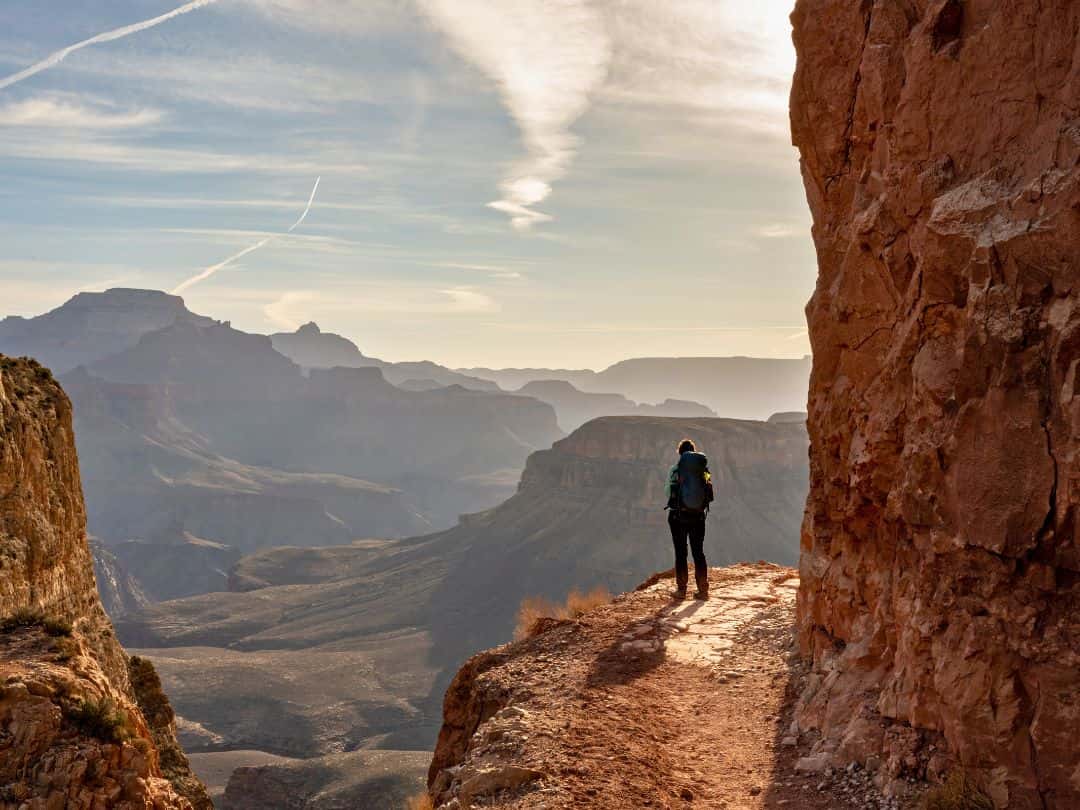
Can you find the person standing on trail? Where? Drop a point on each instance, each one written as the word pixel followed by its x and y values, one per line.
pixel 689 492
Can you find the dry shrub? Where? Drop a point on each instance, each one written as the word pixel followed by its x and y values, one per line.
pixel 101 719
pixel 958 792
pixel 33 617
pixel 57 626
pixel 421 802
pixel 22 617
pixel 535 610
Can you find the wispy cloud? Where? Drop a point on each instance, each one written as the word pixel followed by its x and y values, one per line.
pixel 783 230
pixel 727 56
pixel 55 58
pixel 53 111
pixel 212 269
pixel 546 58
pixel 161 159
pixel 500 273
pixel 295 307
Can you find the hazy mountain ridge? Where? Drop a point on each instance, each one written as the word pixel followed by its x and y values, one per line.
pixel 575 407
pixel 733 387
pixel 312 348
pixel 91 326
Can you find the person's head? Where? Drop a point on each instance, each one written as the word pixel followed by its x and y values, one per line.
pixel 686 446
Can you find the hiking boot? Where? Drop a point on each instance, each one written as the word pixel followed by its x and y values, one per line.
pixel 702 596
pixel 681 578
pixel 679 593
pixel 702 580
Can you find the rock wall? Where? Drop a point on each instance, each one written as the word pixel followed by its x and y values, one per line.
pixel 940 559
pixel 72 730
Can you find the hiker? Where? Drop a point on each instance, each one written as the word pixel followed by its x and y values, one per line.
pixel 689 492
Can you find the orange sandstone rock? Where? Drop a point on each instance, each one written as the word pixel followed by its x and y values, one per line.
pixel 940 569
pixel 81 725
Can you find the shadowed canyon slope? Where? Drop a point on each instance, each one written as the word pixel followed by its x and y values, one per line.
pixel 82 724
pixel 375 630
pixel 940 599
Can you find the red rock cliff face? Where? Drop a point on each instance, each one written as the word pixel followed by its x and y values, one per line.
pixel 81 725
pixel 941 547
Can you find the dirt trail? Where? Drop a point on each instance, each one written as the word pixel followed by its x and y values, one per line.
pixel 648 702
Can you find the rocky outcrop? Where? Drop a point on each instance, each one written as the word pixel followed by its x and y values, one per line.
pixel 644 702
pixel 119 591
pixel 940 567
pixel 72 732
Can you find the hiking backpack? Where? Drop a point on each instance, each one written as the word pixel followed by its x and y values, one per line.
pixel 695 490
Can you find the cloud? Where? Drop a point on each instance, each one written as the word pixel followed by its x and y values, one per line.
pixel 781 230
pixel 60 112
pixel 242 81
pixel 163 160
pixel 59 56
pixel 214 268
pixel 295 307
pixel 463 299
pixel 335 16
pixel 725 56
pixel 546 58
pixel 500 273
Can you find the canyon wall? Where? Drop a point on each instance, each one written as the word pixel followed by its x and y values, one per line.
pixel 940 559
pixel 81 725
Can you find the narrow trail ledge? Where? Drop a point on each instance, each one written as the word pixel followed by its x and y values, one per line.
pixel 645 702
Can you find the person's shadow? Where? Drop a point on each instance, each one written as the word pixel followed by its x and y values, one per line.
pixel 634 653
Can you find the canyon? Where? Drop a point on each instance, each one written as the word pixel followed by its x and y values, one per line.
pixel 84 724
pixel 320 651
pixel 200 443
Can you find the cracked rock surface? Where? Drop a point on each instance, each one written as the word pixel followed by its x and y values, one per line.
pixel 940 562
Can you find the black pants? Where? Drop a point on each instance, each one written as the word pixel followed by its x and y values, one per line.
pixel 689 527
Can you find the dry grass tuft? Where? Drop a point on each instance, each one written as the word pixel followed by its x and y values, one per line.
pixel 535 611
pixel 421 802
pixel 958 792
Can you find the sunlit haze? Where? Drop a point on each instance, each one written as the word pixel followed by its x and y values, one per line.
pixel 521 183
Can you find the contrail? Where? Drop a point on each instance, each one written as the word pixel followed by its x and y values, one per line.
pixel 59 56
pixel 209 271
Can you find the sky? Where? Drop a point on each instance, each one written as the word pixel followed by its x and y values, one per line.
pixel 562 183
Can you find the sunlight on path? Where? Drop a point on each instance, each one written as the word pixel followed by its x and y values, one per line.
pixel 705 632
